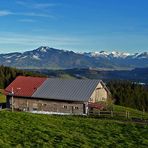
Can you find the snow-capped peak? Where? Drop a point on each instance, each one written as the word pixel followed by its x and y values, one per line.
pixel 119 54
pixel 43 48
pixel 140 55
pixel 143 55
pixel 97 54
pixel 36 57
pixel 113 54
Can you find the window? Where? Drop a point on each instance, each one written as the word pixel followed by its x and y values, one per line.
pixel 91 99
pixel 34 109
pixel 76 107
pixel 103 99
pixel 65 106
pixel 44 105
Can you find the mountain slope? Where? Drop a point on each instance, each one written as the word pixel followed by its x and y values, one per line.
pixel 50 58
pixel 122 59
pixel 45 57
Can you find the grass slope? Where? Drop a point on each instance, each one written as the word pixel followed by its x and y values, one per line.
pixel 132 112
pixel 32 130
pixel 2 98
pixel 122 109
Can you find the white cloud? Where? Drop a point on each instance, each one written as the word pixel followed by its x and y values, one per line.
pixel 5 13
pixel 35 14
pixel 31 14
pixel 43 5
pixel 36 5
pixel 20 2
pixel 24 43
pixel 19 40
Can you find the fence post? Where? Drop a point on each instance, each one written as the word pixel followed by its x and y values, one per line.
pixel 128 114
pixel 111 113
pixel 143 112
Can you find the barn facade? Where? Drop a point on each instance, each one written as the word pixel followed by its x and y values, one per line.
pixel 35 94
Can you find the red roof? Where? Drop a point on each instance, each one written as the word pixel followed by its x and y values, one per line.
pixel 25 86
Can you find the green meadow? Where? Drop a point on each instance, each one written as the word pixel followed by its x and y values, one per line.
pixel 2 98
pixel 19 129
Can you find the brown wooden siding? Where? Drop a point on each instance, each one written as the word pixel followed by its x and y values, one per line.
pixel 29 104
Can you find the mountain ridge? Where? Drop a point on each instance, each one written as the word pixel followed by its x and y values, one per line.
pixel 51 58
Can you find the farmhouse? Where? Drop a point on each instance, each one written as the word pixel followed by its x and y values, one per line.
pixel 54 95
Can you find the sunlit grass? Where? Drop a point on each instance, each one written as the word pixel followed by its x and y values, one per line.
pixel 131 111
pixel 32 130
pixel 2 98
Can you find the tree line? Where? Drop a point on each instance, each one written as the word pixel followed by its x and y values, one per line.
pixel 7 75
pixel 129 94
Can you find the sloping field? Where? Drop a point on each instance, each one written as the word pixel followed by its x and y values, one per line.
pixel 32 130
pixel 2 98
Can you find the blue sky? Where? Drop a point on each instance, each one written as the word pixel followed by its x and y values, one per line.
pixel 79 25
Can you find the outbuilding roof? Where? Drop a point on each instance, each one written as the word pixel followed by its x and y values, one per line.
pixel 55 89
pixel 24 86
pixel 70 90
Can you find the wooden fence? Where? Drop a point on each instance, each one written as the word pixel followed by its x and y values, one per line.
pixel 115 114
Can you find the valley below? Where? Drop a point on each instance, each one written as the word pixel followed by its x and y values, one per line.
pixel 138 75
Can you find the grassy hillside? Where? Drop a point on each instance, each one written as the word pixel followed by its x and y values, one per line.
pixel 133 113
pixel 119 108
pixel 31 130
pixel 2 97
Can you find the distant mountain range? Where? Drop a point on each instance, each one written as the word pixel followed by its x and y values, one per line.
pixel 50 58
